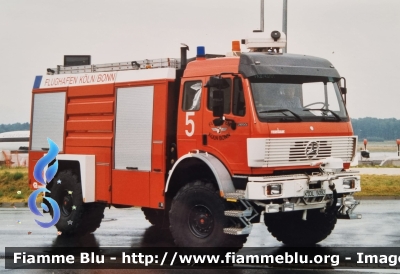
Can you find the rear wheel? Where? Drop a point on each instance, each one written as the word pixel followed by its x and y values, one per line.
pixel 76 217
pixel 154 216
pixel 197 218
pixel 291 229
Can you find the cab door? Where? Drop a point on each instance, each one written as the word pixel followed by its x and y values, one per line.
pixel 228 141
pixel 190 118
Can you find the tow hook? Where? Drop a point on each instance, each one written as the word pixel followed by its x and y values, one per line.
pixel 331 209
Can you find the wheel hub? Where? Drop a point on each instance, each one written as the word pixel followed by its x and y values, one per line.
pixel 66 207
pixel 201 221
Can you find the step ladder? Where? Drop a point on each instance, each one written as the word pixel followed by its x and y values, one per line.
pixel 245 216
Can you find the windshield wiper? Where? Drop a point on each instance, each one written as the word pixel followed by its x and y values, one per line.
pixel 324 110
pixel 283 111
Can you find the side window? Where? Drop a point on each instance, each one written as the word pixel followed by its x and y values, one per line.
pixel 192 95
pixel 227 98
pixel 238 104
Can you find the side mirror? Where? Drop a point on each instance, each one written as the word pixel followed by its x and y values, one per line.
pixel 218 122
pixel 218 103
pixel 216 82
pixel 343 89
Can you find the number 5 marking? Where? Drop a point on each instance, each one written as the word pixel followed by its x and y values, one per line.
pixel 189 122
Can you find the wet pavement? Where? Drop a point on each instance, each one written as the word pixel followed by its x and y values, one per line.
pixel 128 228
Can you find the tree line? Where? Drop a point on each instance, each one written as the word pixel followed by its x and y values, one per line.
pixel 373 129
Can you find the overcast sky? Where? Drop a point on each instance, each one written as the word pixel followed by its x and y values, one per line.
pixel 360 37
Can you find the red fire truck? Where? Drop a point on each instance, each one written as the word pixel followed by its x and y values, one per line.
pixel 205 146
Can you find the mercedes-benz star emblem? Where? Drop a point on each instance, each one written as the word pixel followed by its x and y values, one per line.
pixel 312 149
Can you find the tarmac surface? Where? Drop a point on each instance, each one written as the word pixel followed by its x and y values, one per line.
pixel 128 228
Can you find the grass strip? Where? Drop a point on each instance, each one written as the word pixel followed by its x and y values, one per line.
pixel 379 185
pixel 14 185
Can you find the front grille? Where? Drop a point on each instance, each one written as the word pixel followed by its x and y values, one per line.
pixel 298 150
pixel 303 151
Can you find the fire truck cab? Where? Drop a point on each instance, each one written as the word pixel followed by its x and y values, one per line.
pixel 206 146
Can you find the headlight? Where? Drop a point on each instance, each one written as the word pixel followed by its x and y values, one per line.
pixel 349 183
pixel 274 189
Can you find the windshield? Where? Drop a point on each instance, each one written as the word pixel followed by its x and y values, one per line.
pixel 297 98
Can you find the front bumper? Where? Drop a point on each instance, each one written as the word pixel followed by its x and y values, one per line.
pixel 298 185
pixel 303 192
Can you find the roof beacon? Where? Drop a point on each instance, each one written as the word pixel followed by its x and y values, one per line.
pixel 260 43
pixel 235 49
pixel 201 53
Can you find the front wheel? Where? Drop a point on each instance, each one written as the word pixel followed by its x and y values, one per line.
pixel 76 217
pixel 291 229
pixel 197 218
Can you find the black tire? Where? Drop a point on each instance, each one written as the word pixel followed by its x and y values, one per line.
pixel 197 218
pixel 154 216
pixel 289 228
pixel 76 217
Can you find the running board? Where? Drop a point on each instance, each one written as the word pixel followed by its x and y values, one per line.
pixel 351 216
pixel 346 208
pixel 238 231
pixel 239 213
pixel 235 196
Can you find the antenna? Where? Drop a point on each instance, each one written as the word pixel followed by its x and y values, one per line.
pixel 261 17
